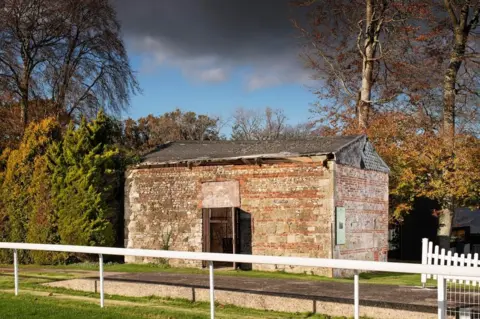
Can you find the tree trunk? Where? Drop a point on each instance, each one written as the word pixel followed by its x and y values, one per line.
pixel 24 114
pixel 363 114
pixel 24 103
pixel 444 231
pixel 364 105
pixel 449 87
pixel 461 30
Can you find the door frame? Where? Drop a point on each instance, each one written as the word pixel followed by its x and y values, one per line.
pixel 206 231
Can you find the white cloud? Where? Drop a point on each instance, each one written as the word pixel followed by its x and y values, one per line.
pixel 264 72
pixel 214 75
pixel 259 81
pixel 283 69
pixel 156 53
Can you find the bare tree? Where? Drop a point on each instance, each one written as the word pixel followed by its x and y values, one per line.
pixel 265 125
pixel 357 49
pixel 302 131
pixel 464 18
pixel 89 67
pixel 27 29
pixel 69 52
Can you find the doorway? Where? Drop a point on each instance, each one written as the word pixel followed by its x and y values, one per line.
pixel 220 229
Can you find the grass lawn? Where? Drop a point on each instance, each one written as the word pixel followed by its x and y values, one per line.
pixel 371 278
pixel 37 301
pixel 27 306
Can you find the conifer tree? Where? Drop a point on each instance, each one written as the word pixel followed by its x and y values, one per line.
pixel 24 190
pixel 86 176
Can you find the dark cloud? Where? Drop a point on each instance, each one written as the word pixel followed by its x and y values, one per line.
pixel 208 38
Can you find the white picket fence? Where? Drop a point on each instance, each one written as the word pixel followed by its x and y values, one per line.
pixel 433 255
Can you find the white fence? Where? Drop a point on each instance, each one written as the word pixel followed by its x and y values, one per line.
pixel 461 294
pixel 441 272
pixel 433 255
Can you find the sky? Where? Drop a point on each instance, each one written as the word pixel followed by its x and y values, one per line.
pixel 212 56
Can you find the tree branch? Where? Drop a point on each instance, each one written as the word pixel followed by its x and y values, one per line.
pixel 451 12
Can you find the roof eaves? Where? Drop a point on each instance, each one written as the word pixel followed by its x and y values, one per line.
pixel 284 155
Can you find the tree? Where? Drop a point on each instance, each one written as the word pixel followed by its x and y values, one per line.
pixel 86 176
pixel 69 52
pixel 11 127
pixel 265 125
pixel 24 35
pixel 25 188
pixel 62 188
pixel 407 123
pixel 151 131
pixel 463 18
pixel 89 66
pixel 358 50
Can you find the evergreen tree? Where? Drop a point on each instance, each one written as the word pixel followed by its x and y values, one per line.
pixel 24 191
pixel 65 190
pixel 86 177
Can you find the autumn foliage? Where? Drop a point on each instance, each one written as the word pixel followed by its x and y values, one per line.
pixel 61 188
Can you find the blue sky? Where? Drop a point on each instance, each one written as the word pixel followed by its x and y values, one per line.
pixel 166 88
pixel 212 56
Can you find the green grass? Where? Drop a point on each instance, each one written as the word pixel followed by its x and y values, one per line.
pixel 371 278
pixel 64 303
pixel 25 306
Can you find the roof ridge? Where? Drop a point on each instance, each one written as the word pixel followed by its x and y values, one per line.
pixel 356 136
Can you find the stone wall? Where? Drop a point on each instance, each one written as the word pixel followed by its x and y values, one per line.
pixel 364 194
pixel 290 207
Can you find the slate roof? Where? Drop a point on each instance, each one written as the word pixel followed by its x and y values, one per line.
pixel 350 150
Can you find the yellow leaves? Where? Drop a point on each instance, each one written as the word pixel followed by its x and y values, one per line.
pixel 401 210
pixel 421 164
pixel 38 136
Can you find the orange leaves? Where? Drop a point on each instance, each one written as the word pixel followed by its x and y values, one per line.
pixel 422 37
pixel 421 164
pixel 418 9
pixel 410 29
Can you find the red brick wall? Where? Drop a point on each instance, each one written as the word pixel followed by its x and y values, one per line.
pixel 364 194
pixel 290 207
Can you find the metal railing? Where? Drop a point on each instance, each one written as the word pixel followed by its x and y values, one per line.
pixel 441 272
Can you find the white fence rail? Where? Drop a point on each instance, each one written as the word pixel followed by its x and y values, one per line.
pixel 433 255
pixel 358 265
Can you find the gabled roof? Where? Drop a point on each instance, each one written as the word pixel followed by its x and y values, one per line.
pixel 350 150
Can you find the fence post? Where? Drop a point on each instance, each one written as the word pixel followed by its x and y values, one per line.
pixel 212 291
pixel 424 259
pixel 100 263
pixel 356 295
pixel 15 270
pixel 442 293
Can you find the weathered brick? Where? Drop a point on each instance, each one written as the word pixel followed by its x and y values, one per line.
pixel 290 207
pixel 364 194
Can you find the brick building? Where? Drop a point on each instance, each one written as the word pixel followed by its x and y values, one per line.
pixel 325 198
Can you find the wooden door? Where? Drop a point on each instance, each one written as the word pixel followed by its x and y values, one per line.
pixel 206 215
